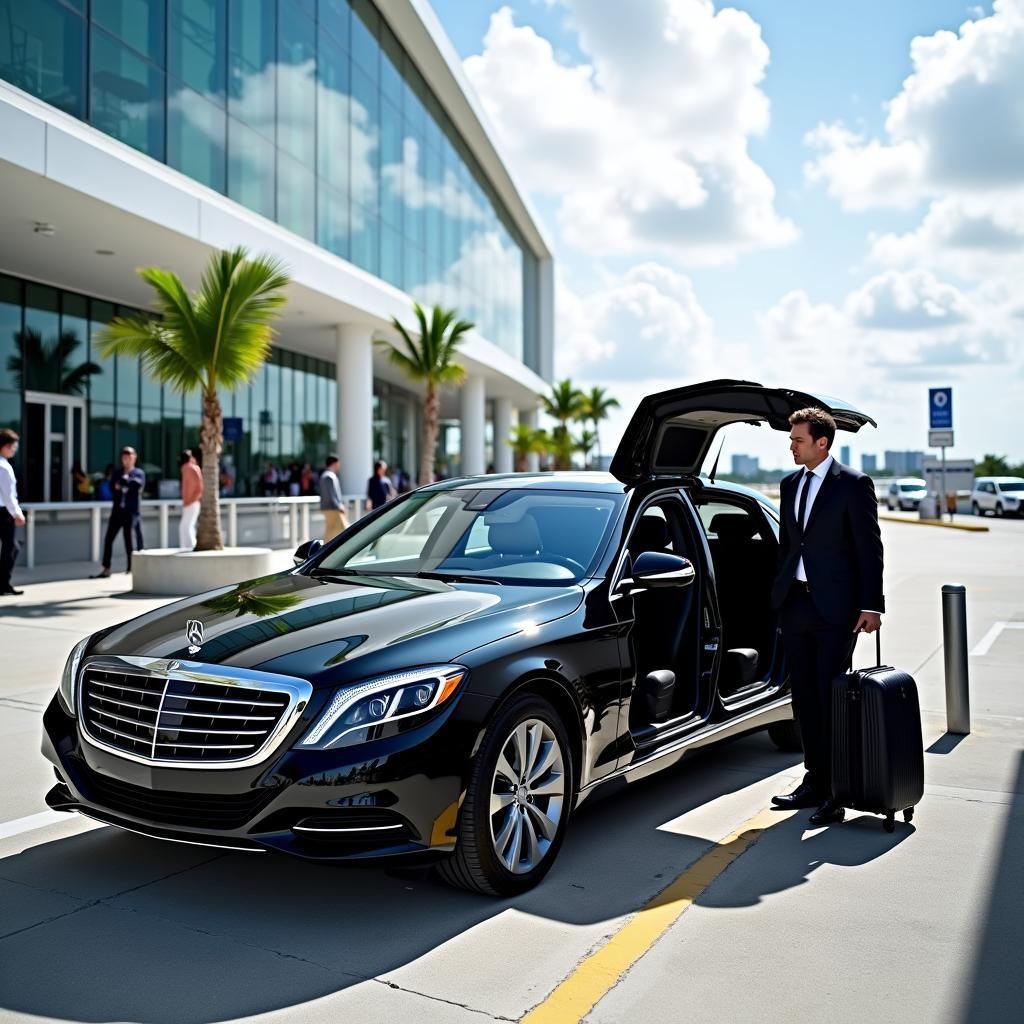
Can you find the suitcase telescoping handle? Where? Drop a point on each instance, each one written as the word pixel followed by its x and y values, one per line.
pixel 878 648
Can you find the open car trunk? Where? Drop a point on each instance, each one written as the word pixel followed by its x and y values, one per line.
pixel 671 432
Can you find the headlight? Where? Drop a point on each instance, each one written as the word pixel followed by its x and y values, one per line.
pixel 357 710
pixel 69 680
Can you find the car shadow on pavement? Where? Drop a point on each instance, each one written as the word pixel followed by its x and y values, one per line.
pixel 107 925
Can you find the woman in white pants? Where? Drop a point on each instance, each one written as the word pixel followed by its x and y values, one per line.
pixel 191 497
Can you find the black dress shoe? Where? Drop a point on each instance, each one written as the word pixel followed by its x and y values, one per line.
pixel 829 813
pixel 805 795
pixel 11 590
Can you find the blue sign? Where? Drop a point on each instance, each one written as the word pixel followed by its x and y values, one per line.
pixel 940 408
pixel 233 429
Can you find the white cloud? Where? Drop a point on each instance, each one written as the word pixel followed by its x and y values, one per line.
pixel 647 320
pixel 907 301
pixel 646 147
pixel 954 138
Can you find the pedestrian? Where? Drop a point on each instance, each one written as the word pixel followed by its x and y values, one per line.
pixel 335 520
pixel 11 515
pixel 379 488
pixel 828 589
pixel 81 485
pixel 308 479
pixel 191 498
pixel 105 488
pixel 127 491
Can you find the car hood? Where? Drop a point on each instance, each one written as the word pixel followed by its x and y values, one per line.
pixel 316 628
pixel 671 432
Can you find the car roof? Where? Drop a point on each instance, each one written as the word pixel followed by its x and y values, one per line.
pixel 560 481
pixel 998 479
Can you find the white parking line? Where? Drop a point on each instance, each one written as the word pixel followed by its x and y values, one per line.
pixel 33 821
pixel 990 637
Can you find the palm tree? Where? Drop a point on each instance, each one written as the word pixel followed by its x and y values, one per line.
pixel 596 406
pixel 525 441
pixel 563 404
pixel 217 338
pixel 49 363
pixel 584 443
pixel 430 359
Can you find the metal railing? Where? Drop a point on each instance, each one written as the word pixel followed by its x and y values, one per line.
pixel 298 510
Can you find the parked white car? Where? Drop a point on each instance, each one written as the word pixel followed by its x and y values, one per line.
pixel 906 493
pixel 1000 495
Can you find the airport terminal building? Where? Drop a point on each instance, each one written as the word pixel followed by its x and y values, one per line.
pixel 339 135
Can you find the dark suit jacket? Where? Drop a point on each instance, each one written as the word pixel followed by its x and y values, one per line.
pixel 841 545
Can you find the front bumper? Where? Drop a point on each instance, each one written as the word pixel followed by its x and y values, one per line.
pixel 393 798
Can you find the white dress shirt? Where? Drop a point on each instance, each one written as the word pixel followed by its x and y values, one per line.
pixel 818 474
pixel 9 489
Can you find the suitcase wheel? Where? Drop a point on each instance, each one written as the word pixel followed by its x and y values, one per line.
pixel 890 822
pixel 908 815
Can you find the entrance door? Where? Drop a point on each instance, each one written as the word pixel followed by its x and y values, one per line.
pixel 55 440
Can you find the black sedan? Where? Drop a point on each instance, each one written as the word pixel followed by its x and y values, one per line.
pixel 456 672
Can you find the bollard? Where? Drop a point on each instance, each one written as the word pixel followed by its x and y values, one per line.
pixel 954 643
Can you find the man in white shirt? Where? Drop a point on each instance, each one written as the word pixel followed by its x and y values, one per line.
pixel 11 515
pixel 827 590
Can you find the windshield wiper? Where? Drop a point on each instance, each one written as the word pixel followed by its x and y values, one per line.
pixel 326 570
pixel 453 577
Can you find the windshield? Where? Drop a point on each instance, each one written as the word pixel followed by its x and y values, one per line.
pixel 506 536
pixel 1012 486
pixel 912 486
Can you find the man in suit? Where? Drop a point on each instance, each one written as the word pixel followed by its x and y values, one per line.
pixel 828 589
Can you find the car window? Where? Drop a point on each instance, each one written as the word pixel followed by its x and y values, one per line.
pixel 724 521
pixel 1012 486
pixel 516 535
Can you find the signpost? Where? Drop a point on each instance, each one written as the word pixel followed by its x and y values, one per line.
pixel 940 428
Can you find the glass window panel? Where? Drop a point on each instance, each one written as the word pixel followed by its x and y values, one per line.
pixel 101 437
pixel 296 82
pixel 296 197
pixel 414 98
pixel 365 143
pixel 287 394
pixel 390 66
pixel 332 410
pixel 365 27
pixel 38 367
pixel 74 345
pixel 101 383
pixel 433 214
pixel 334 17
pixel 127 387
pixel 127 431
pixel 413 191
pixel 196 132
pixel 332 114
pixel 414 270
pixel 332 220
pixel 435 118
pixel 42 50
pixel 139 23
pixel 365 240
pixel 126 95
pixel 10 328
pixel 197 49
pixel 391 255
pixel 151 392
pixel 391 165
pixel 250 169
pixel 252 51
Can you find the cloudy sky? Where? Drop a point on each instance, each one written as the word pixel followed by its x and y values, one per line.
pixel 818 195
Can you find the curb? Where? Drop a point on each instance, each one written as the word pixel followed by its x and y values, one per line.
pixel 969 527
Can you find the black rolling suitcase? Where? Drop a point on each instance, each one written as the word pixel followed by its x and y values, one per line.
pixel 877 749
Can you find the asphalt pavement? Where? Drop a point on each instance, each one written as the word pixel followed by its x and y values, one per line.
pixel 786 924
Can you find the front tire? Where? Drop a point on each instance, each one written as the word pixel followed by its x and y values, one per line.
pixel 786 736
pixel 517 804
pixel 975 508
pixel 999 510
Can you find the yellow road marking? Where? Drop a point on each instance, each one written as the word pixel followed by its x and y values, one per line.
pixel 970 527
pixel 595 976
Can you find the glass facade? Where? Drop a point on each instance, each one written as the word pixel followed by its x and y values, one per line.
pixel 286 416
pixel 309 112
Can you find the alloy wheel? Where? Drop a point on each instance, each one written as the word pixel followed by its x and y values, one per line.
pixel 527 796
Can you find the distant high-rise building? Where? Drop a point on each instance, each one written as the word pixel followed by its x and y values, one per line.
pixel 844 455
pixel 745 465
pixel 869 463
pixel 904 463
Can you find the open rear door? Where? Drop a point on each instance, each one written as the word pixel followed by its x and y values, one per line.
pixel 671 432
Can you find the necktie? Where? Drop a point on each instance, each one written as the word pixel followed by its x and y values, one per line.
pixel 802 511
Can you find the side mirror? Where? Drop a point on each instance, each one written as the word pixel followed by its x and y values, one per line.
pixel 658 569
pixel 306 551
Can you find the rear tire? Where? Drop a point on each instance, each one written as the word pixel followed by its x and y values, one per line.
pixel 520 793
pixel 786 736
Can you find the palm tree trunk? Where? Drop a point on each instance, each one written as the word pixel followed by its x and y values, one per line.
pixel 431 415
pixel 211 440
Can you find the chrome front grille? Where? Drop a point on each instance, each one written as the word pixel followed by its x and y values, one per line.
pixel 164 712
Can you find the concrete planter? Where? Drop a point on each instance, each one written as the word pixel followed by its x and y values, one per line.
pixel 174 572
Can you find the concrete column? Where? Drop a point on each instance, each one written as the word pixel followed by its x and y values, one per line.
pixel 503 457
pixel 530 417
pixel 355 405
pixel 474 417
